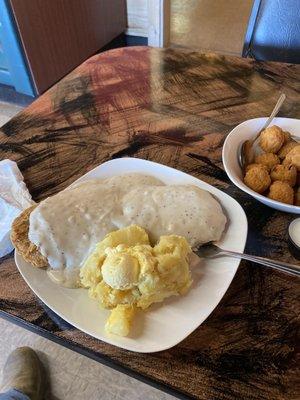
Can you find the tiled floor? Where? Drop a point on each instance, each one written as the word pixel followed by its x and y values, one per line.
pixel 72 376
pixel 7 111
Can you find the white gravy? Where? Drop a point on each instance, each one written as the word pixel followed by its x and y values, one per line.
pixel 66 227
pixel 184 210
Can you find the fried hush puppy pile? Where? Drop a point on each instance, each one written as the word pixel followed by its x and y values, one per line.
pixel 276 172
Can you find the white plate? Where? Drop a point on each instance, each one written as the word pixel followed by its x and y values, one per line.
pixel 232 144
pixel 166 324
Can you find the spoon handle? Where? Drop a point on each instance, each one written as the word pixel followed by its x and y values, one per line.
pixel 273 114
pixel 292 269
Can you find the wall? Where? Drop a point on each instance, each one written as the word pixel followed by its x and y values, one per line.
pixel 137 17
pixel 210 25
pixel 207 25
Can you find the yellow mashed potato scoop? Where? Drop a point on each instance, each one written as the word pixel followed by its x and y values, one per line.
pixel 125 272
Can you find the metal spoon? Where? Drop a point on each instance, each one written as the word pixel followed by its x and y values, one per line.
pixel 246 154
pixel 211 250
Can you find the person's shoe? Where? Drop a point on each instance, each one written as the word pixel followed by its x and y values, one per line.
pixel 24 372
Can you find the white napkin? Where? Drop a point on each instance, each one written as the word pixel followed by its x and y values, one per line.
pixel 14 198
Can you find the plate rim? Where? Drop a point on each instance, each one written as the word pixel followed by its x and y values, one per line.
pixel 107 339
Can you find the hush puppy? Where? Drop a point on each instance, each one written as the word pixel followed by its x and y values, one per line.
pixel 281 191
pixel 267 159
pixel 256 165
pixel 257 179
pixel 287 136
pixel 286 148
pixel 271 139
pixel 284 173
pixel 293 157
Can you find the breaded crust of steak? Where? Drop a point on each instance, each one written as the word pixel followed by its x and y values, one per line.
pixel 19 238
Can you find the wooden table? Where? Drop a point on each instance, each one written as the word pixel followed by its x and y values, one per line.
pixel 175 108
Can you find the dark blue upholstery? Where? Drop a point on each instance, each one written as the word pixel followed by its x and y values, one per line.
pixel 273 32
